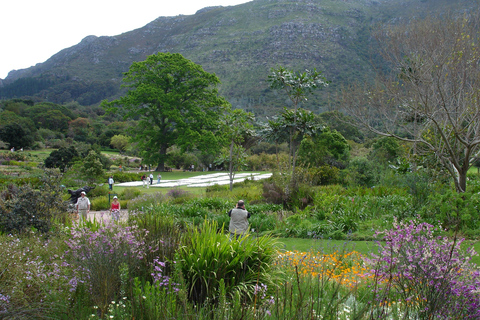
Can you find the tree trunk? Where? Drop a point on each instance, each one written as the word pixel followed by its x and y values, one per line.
pixel 230 167
pixel 461 182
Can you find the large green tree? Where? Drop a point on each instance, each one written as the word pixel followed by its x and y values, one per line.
pixel 175 102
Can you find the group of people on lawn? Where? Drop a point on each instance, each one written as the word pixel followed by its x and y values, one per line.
pixel 148 180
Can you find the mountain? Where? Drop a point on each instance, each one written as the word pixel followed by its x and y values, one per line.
pixel 240 44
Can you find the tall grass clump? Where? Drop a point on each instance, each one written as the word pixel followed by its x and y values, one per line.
pixel 208 257
pixel 164 234
pixel 423 276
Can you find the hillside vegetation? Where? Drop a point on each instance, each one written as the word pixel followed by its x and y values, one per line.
pixel 240 44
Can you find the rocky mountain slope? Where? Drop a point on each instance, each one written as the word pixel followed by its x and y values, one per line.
pixel 240 44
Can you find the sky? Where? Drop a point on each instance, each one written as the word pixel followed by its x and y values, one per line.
pixel 31 31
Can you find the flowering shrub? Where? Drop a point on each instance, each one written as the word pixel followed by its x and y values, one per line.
pixel 97 256
pixel 32 276
pixel 428 276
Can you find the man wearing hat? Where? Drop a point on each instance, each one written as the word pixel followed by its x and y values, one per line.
pixel 83 205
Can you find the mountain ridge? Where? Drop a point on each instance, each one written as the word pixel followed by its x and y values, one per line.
pixel 240 44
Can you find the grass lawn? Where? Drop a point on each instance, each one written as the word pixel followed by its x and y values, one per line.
pixel 195 191
pixel 330 246
pixel 327 246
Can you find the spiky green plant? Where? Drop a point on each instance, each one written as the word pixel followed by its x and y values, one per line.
pixel 208 256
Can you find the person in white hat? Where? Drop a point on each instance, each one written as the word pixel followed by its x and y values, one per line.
pixel 115 209
pixel 83 205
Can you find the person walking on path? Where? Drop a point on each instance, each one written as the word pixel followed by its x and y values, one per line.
pixel 144 180
pixel 83 206
pixel 151 178
pixel 238 220
pixel 115 209
pixel 110 183
pixel 159 177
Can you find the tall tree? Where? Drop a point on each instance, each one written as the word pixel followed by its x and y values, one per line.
pixel 298 86
pixel 432 96
pixel 175 101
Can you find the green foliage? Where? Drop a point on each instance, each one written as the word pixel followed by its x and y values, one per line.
pixel 453 210
pixel 361 172
pixel 322 175
pixel 16 135
pixel 120 142
pixel 181 160
pixel 101 203
pixel 119 177
pixel 164 233
pixel 24 208
pixel 92 168
pixel 328 147
pixel 129 193
pixel 183 99
pixel 336 120
pixel 385 150
pixel 265 162
pixel 61 158
pixel 209 257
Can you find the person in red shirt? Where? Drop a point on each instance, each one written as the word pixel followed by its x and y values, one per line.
pixel 115 209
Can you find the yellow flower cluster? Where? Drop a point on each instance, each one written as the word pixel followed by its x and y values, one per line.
pixel 345 268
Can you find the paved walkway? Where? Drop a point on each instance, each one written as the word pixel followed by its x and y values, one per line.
pixel 199 181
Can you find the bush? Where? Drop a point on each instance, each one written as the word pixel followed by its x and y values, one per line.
pixel 22 208
pixel 453 210
pixel 120 177
pixel 99 203
pixel 427 276
pixel 96 258
pixel 129 193
pixel 146 202
pixel 208 258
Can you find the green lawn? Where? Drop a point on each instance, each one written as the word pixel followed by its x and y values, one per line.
pixel 329 246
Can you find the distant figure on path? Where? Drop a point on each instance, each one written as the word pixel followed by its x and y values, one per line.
pixel 151 178
pixel 110 183
pixel 159 177
pixel 115 209
pixel 83 206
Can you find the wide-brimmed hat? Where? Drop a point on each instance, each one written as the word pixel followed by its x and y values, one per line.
pixel 115 197
pixel 83 192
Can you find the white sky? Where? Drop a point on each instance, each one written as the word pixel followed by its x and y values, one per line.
pixel 31 31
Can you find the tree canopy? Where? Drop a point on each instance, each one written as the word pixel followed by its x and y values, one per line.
pixel 432 97
pixel 175 102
